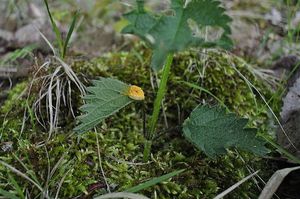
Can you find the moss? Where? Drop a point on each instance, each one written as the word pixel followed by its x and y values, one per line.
pixel 219 78
pixel 14 98
pixel 121 137
pixel 10 113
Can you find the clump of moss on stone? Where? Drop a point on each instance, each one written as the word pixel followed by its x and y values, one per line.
pixel 213 71
pixel 121 136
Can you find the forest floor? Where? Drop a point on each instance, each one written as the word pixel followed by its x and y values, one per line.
pixel 41 156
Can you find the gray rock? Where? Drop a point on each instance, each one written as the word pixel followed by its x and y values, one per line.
pixel 290 111
pixel 28 34
pixel 291 102
pixel 292 129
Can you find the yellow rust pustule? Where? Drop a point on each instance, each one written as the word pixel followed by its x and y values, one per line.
pixel 135 93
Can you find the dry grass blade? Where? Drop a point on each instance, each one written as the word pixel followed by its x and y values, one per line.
pixel 60 184
pixel 122 195
pixel 52 116
pixel 58 164
pixel 56 91
pixel 230 189
pixel 53 90
pixel 275 181
pixel 57 105
pixel 70 73
pixel 267 104
pixel 70 98
pixel 262 97
pixel 47 41
pixel 100 162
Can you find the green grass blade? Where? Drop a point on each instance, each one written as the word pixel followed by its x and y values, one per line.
pixel 16 171
pixel 281 149
pixel 154 181
pixel 160 94
pixel 19 53
pixel 122 195
pixel 70 32
pixel 28 171
pixel 206 91
pixel 31 116
pixel 157 104
pixel 55 28
pixel 7 194
pixel 16 186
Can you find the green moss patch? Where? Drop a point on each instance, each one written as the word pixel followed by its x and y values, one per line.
pixel 71 162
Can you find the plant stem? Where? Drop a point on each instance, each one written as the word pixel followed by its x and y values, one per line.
pixel 55 29
pixel 281 149
pixel 157 104
pixel 147 149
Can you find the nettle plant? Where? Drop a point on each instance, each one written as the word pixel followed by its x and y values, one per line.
pixel 210 129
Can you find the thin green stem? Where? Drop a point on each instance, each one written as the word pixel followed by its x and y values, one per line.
pixel 205 91
pixel 55 29
pixel 147 149
pixel 70 32
pixel 157 105
pixel 281 149
pixel 160 94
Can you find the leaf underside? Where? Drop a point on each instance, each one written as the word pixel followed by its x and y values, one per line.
pixel 172 33
pixel 105 98
pixel 213 131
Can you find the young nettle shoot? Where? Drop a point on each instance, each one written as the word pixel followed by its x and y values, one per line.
pixel 167 35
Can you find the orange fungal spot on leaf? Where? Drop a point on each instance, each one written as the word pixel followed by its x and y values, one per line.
pixel 136 93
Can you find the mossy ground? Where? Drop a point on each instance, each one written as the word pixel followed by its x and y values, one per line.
pixel 73 160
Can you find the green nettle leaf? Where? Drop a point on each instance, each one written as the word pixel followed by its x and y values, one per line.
pixel 105 98
pixel 212 131
pixel 172 33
